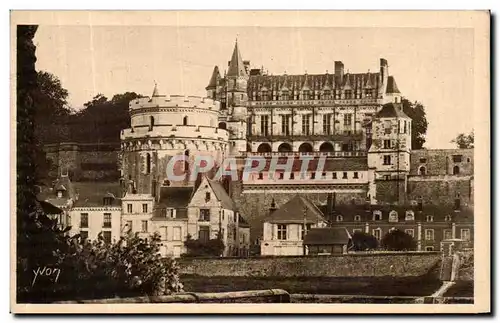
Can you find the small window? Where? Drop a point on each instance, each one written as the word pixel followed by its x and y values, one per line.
pixel 106 220
pixel 429 248
pixel 456 170
pixel 340 218
pixel 281 231
pixel 387 177
pixel 429 234
pixel 281 176
pixel 323 174
pixel 387 159
pixel 313 175
pixel 129 208
pixel 204 214
pixel 377 233
pixel 465 234
pixel 410 232
pixel 357 218
pixel 84 220
pixel 387 144
pixel 334 175
pixel 344 175
pixel 457 158
pixel 429 218
pixel 185 121
pixel 409 216
pixel 144 208
pixel 423 160
pixel 393 216
pixel 355 175
pixel 144 226
pixel 468 159
pixel 292 175
pixel 207 196
pixel 261 176
pixel 377 215
pixel 447 234
pixel 447 218
pixel 107 201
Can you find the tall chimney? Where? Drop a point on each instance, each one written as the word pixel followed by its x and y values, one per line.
pixel 339 71
pixel 384 68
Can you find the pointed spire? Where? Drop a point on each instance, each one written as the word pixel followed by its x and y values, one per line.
pixel 236 66
pixel 155 91
pixel 305 86
pixel 368 84
pixel 347 84
pixel 214 80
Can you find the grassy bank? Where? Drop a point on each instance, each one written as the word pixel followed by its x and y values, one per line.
pixel 373 286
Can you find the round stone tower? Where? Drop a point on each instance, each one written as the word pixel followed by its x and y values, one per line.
pixel 163 127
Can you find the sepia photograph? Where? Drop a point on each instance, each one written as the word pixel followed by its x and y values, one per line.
pixel 307 162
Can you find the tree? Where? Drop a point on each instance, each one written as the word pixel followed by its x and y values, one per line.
pixel 131 266
pixel 464 141
pixel 362 241
pixel 416 111
pixel 197 248
pixel 397 240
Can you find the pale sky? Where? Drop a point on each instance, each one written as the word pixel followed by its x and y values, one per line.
pixel 431 65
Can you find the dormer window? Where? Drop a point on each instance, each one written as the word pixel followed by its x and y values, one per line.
pixel 447 218
pixel 340 218
pixel 264 95
pixel 207 196
pixel 357 218
pixel 429 218
pixel 377 215
pixel 107 200
pixel 284 95
pixel 393 216
pixel 59 194
pixel 409 216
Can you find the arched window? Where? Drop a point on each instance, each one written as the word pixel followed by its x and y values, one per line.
pixel 409 216
pixel 264 148
pixel 326 147
pixel 305 148
pixel 185 121
pixel 357 218
pixel 148 163
pixel 456 170
pixel 393 216
pixel 422 170
pixel 340 218
pixel 377 215
pixel 284 147
pixel 222 125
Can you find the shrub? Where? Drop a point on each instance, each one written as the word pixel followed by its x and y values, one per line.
pixel 361 241
pixel 397 240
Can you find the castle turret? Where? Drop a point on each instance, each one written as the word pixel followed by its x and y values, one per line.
pixel 389 154
pixel 213 84
pixel 236 98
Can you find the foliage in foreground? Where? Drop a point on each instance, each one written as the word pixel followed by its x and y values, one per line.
pixel 198 248
pixel 397 240
pixel 77 269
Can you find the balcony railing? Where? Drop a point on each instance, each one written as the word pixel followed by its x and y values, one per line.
pixel 338 136
pixel 313 154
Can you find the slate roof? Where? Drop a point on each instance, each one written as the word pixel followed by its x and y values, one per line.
pixel 327 236
pixel 439 212
pixel 392 110
pixel 221 195
pixel 175 197
pixel 293 212
pixel 214 79
pixel 313 82
pixel 236 66
pixel 392 87
pixel 331 164
pixel 92 194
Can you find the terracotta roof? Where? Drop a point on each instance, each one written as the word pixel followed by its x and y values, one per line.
pixel 314 82
pixel 327 236
pixel 392 110
pixel 293 212
pixel 236 66
pixel 175 197
pixel 214 80
pixel 92 194
pixel 392 87
pixel 331 164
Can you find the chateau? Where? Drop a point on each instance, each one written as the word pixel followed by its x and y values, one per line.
pixel 354 120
